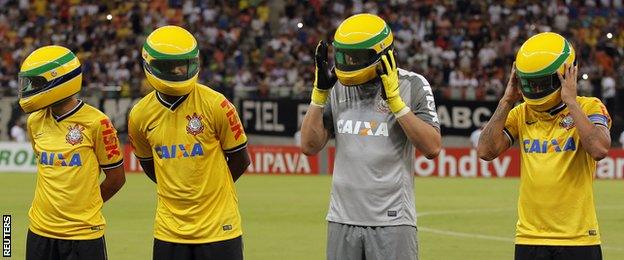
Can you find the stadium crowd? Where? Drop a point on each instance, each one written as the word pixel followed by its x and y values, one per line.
pixel 264 48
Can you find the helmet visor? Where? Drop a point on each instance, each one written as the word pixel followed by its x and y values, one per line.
pixel 539 87
pixel 355 59
pixel 174 70
pixel 31 85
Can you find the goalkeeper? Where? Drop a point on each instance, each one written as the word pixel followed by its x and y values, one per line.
pixel 378 114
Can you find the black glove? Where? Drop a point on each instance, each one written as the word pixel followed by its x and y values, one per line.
pixel 323 78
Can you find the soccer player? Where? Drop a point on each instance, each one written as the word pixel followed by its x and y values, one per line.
pixel 377 113
pixel 73 142
pixel 561 136
pixel 191 143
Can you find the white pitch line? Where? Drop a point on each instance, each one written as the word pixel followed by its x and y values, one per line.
pixel 488 237
pixel 467 235
pixel 462 211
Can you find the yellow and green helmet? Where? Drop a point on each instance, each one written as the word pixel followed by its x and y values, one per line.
pixel 359 42
pixel 48 75
pixel 171 60
pixel 537 62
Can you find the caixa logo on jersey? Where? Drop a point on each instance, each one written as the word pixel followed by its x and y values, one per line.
pixel 59 159
pixel 179 151
pixel 547 146
pixel 364 128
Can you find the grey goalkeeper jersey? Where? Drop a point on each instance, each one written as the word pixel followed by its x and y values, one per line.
pixel 373 181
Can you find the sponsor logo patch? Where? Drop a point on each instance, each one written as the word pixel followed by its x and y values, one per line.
pixel 179 151
pixel 546 146
pixel 363 128
pixel 60 159
pixel 234 122
pixel 109 138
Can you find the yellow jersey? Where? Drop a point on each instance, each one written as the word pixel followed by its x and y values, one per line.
pixel 556 203
pixel 71 149
pixel 188 140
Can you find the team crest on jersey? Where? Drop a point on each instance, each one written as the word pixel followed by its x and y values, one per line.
pixel 382 106
pixel 74 136
pixel 567 122
pixel 195 125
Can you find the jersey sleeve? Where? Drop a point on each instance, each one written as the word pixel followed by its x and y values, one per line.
pixel 30 134
pixel 138 140
pixel 511 125
pixel 106 146
pixel 597 112
pixel 228 127
pixel 422 102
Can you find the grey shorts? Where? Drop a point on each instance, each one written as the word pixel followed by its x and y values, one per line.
pixel 347 242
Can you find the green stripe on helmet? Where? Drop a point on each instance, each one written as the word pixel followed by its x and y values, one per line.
pixel 552 68
pixel 49 66
pixel 163 56
pixel 365 44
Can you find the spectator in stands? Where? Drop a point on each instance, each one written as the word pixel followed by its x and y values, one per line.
pixel 608 90
pixel 464 35
pixel 18 133
pixel 454 44
pixel 622 139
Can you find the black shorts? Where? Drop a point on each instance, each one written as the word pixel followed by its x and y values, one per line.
pixel 532 252
pixel 40 247
pixel 231 249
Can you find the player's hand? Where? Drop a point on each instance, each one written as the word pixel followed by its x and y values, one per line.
pixel 568 83
pixel 324 79
pixel 512 93
pixel 390 80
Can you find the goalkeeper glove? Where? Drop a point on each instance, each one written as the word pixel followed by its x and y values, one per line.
pixel 324 79
pixel 390 81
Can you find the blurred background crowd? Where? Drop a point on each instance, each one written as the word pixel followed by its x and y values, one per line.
pixel 265 48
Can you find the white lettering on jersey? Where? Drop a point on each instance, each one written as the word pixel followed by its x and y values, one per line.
pixel 429 96
pixel 365 128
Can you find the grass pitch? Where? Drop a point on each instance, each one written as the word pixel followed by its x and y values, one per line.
pixel 283 216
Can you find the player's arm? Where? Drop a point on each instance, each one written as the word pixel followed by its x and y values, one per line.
pixel 595 137
pixel 314 134
pixel 422 135
pixel 115 179
pixel 141 146
pixel 238 162
pixel 148 168
pixel 494 140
